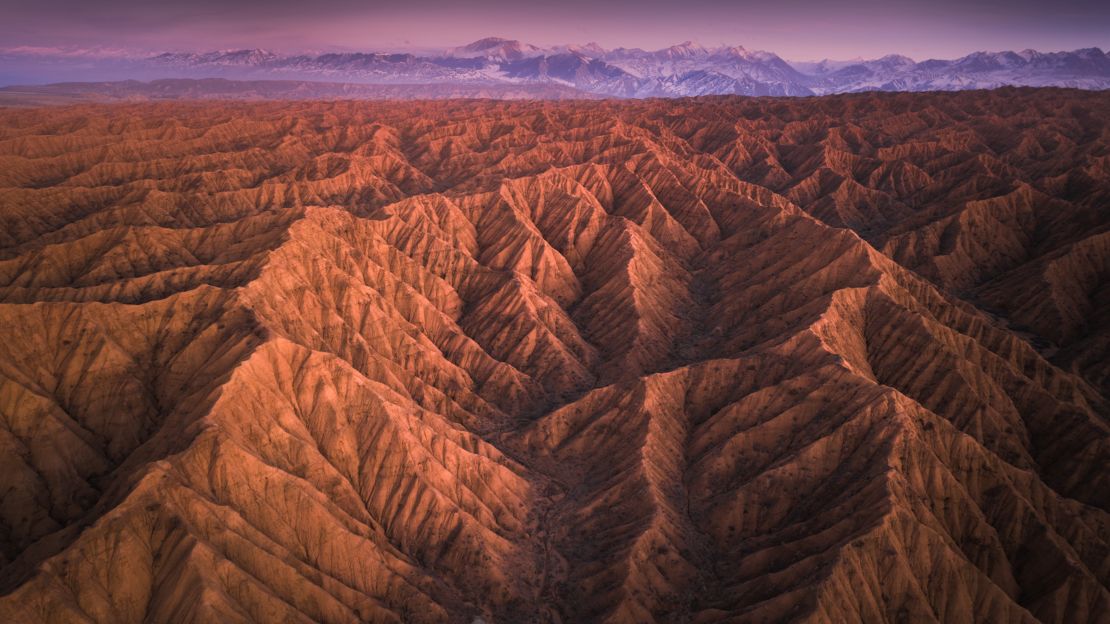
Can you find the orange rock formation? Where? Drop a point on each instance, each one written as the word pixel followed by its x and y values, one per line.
pixel 717 360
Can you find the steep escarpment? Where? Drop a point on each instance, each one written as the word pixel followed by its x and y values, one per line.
pixel 744 360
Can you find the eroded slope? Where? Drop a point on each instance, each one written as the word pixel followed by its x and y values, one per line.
pixel 708 360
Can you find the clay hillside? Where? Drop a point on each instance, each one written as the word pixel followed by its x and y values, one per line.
pixel 831 359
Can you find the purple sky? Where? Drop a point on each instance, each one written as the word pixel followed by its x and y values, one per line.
pixel 794 29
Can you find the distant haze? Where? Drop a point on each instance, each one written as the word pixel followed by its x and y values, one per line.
pixel 795 29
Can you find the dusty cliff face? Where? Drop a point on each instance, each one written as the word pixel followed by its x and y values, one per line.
pixel 721 360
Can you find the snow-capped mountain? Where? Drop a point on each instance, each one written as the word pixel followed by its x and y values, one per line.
pixel 496 49
pixel 1086 69
pixel 220 57
pixel 685 69
pixel 691 69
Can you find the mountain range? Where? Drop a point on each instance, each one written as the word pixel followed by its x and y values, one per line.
pixel 686 69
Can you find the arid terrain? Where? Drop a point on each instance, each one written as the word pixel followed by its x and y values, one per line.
pixel 831 359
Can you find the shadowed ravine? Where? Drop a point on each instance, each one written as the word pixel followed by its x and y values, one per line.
pixel 716 360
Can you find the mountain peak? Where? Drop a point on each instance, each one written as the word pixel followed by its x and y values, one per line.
pixel 591 49
pixel 737 50
pixel 496 48
pixel 489 42
pixel 686 48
